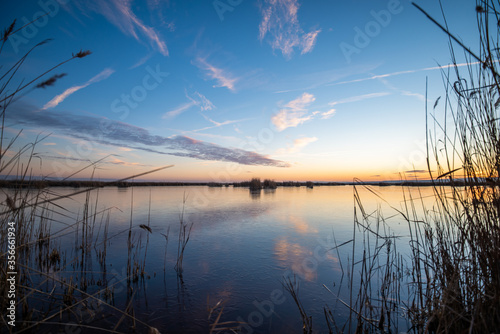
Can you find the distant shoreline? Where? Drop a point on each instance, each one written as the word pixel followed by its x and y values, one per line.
pixel 124 184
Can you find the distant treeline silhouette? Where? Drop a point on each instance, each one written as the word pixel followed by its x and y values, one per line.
pixel 253 184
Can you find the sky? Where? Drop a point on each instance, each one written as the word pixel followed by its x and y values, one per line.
pixel 228 90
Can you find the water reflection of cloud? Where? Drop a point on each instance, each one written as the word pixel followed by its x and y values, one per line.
pixel 295 256
pixel 301 225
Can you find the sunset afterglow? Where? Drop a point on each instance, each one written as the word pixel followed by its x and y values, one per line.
pixel 230 90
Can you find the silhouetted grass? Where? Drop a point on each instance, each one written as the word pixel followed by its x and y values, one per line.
pixel 184 235
pixel 456 249
pixel 450 283
pixel 292 287
pixel 56 287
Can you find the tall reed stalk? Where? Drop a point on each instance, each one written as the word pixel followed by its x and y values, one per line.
pixel 184 235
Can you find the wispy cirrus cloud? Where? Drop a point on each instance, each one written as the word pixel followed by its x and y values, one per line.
pixel 110 132
pixel 387 75
pixel 120 14
pixel 61 97
pixel 218 124
pixel 328 114
pixel 298 145
pixel 159 7
pixel 201 101
pixel 293 113
pixel 196 99
pixel 309 41
pixel 179 110
pixel 141 61
pixel 358 98
pixel 223 78
pixel 281 23
pixel 296 112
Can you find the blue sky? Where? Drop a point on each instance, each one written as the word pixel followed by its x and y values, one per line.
pixel 227 90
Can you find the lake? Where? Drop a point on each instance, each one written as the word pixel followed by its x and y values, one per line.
pixel 241 247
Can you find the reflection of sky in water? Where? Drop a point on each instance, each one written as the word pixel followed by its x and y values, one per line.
pixel 241 246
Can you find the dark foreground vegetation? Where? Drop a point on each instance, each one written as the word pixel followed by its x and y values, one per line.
pixel 450 283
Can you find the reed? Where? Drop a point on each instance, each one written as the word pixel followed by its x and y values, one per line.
pixel 184 235
pixel 166 248
pixel 456 248
pixel 55 286
pixel 291 285
pixel 218 326
pixel 451 282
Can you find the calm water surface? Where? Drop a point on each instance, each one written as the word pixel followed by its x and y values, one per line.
pixel 242 245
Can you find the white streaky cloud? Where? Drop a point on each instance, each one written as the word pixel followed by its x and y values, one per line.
pixel 196 99
pixel 101 76
pixel 179 110
pixel 328 114
pixel 157 7
pixel 218 124
pixel 309 40
pixel 285 119
pixel 129 23
pixel 400 91
pixel 201 101
pixel 417 95
pixel 61 97
pixel 301 102
pixel 293 113
pixel 280 22
pixel 264 26
pixel 298 145
pixel 359 98
pixel 141 61
pixel 380 76
pixel 120 14
pixel 224 79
